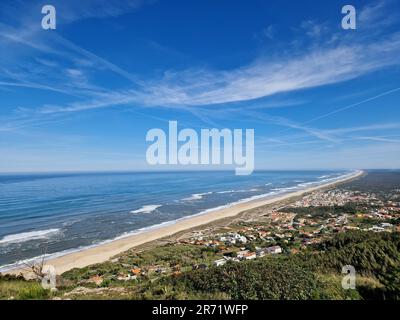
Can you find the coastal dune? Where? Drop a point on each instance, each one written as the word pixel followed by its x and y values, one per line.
pixel 104 252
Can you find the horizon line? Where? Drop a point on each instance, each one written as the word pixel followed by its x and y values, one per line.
pixel 182 171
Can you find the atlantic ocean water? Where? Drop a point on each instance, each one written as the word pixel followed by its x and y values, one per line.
pixel 54 213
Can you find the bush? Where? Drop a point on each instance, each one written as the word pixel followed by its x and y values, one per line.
pixel 263 279
pixel 33 292
pixel 18 288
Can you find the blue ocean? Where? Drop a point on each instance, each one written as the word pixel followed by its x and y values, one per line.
pixel 60 213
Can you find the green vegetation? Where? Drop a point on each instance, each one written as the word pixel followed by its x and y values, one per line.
pixel 12 287
pixel 309 275
pixel 184 257
pixel 303 276
pixel 322 211
pixel 263 279
pixel 313 274
pixel 375 255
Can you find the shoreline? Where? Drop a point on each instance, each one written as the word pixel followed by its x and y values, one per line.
pixel 103 252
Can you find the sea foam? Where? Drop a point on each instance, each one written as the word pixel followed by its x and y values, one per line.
pixel 196 196
pixel 27 236
pixel 147 208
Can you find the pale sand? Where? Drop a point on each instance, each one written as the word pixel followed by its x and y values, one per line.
pixel 104 252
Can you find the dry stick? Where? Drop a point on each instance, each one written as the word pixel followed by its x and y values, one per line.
pixel 36 268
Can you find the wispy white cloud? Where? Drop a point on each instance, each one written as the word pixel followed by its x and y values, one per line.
pixel 336 136
pixel 372 127
pixel 379 139
pixel 197 87
pixel 268 33
pixel 70 11
pixel 314 29
pixel 377 14
pixel 318 65
pixel 353 105
pixel 379 155
pixel 84 9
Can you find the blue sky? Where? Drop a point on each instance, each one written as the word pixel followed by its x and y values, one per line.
pixel 83 96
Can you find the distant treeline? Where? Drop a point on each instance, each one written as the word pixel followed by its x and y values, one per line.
pixel 376 181
pixel 322 211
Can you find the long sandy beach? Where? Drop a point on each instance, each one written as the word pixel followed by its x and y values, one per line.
pixel 105 251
